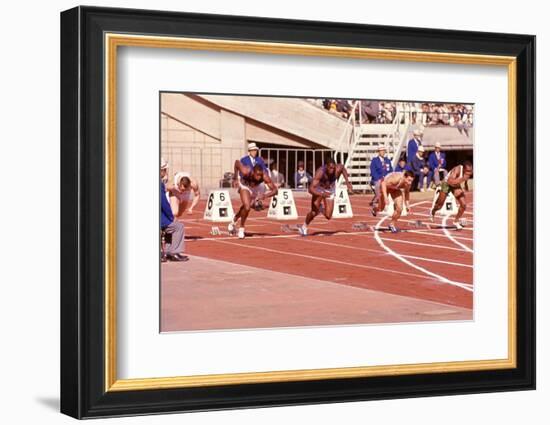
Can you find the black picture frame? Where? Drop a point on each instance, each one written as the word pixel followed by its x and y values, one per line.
pixel 83 392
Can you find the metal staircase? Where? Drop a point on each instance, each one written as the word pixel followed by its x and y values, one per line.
pixel 360 146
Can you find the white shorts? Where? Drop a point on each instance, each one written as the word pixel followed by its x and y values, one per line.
pixel 254 191
pixel 332 191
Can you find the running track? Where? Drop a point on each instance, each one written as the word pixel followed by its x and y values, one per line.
pixel 428 264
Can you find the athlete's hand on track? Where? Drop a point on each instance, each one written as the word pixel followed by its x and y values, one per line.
pixel 350 188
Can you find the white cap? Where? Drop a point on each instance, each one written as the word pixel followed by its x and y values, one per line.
pixel 163 164
pixel 252 147
pixel 437 144
pixel 381 147
pixel 421 148
pixel 418 132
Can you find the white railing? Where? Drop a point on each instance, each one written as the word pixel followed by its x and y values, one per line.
pixel 396 138
pixel 349 136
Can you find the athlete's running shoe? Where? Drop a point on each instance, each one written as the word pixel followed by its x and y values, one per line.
pixel 232 228
pixel 303 230
pixel 432 218
pixel 373 212
pixel 393 229
pixel 458 226
pixel 241 232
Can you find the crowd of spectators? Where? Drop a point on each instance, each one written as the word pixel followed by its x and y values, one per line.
pixel 384 112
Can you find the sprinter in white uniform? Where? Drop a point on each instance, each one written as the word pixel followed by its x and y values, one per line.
pixel 184 195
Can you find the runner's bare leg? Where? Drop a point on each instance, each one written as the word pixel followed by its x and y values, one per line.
pixel 461 199
pixel 245 208
pixel 315 204
pixel 397 208
pixel 329 208
pixel 439 202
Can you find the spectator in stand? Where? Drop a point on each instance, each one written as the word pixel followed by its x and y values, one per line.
pixel 414 144
pixel 168 225
pixel 302 179
pixel 402 165
pixel 277 177
pixel 437 164
pixel 369 111
pixel 421 170
pixel 462 119
pixel 380 166
pixel 343 107
pixel 387 112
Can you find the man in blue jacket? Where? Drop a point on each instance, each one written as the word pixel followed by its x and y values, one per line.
pixel 174 228
pixel 380 166
pixel 414 143
pixel 421 170
pixel 253 158
pixel 438 164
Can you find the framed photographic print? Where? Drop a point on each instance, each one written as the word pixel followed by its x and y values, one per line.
pixel 261 212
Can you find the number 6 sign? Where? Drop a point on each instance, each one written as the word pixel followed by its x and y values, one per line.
pixel 219 208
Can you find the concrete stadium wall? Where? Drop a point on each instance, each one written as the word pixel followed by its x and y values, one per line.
pixel 203 135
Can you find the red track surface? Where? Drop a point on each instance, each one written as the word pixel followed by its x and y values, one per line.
pixel 420 263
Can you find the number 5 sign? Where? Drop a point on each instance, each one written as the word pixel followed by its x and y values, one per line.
pixel 282 206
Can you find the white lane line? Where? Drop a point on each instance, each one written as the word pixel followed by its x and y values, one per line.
pixel 336 233
pixel 431 232
pixel 427 232
pixel 428 215
pixel 431 260
pixel 423 244
pixel 448 234
pixel 465 286
pixel 323 260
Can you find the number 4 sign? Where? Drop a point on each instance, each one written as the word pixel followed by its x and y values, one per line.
pixel 342 205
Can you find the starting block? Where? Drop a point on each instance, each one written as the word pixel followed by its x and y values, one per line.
pixel 289 228
pixel 215 231
pixel 282 206
pixel 360 226
pixel 342 205
pixel 449 207
pixel 218 208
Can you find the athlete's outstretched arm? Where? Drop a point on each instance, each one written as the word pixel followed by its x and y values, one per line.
pixel 272 186
pixel 196 198
pixel 407 191
pixel 314 186
pixel 384 191
pixel 344 172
